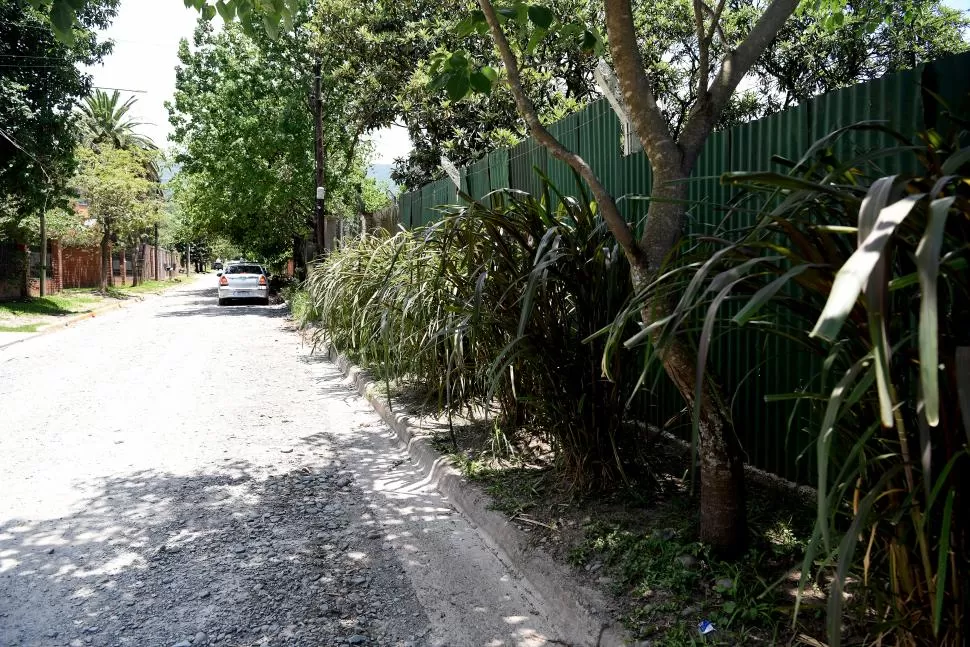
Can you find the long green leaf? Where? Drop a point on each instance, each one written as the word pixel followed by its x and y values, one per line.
pixel 824 441
pixel 762 296
pixel 855 273
pixel 942 561
pixel 928 265
pixel 846 552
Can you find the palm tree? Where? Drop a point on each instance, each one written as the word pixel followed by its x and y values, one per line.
pixel 105 121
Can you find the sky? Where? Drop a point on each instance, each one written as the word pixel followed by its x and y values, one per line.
pixel 146 35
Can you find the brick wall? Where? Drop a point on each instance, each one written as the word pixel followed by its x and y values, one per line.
pixel 14 265
pixel 80 267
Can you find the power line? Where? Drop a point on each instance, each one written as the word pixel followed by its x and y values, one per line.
pixel 99 87
pixel 17 145
pixel 57 58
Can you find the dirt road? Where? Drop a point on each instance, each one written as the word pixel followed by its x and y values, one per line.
pixel 181 474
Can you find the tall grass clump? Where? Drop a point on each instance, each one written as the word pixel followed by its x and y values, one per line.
pixel 493 303
pixel 870 274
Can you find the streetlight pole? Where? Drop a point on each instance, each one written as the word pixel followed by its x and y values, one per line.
pixel 43 248
pixel 318 217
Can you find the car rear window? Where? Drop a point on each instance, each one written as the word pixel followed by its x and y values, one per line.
pixel 244 269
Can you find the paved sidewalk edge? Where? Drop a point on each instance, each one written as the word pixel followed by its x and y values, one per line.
pixel 577 608
pixel 60 325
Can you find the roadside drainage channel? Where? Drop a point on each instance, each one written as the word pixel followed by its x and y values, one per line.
pixel 59 325
pixel 578 609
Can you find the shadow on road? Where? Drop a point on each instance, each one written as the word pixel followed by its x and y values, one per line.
pixel 232 310
pixel 156 558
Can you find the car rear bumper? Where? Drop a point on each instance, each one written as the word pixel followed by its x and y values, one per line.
pixel 258 292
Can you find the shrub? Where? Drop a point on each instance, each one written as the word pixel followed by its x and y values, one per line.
pixel 495 302
pixel 871 275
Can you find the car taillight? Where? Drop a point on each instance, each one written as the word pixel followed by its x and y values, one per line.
pixel 223 280
pixel 262 280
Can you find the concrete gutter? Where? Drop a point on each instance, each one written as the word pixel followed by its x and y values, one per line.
pixel 61 324
pixel 579 610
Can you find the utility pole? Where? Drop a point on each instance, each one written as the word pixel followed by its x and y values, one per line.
pixel 317 103
pixel 43 248
pixel 158 267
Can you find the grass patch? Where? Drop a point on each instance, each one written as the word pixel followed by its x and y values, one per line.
pixel 66 303
pixel 146 287
pixel 670 582
pixel 301 308
pixel 20 328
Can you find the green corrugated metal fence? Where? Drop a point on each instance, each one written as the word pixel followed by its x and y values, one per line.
pixel 742 360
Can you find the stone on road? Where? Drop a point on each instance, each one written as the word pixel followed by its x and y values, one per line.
pixel 180 473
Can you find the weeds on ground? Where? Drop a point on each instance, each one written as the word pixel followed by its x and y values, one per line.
pixel 640 545
pixel 301 308
pixel 145 287
pixel 672 583
pixel 67 302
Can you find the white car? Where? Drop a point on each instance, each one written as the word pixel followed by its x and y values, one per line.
pixel 243 281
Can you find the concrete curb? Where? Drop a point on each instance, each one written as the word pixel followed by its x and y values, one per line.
pixel 577 608
pixel 59 325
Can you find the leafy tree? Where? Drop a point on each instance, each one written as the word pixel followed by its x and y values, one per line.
pixel 874 38
pixel 242 117
pixel 727 42
pixel 242 123
pixel 120 196
pixel 39 85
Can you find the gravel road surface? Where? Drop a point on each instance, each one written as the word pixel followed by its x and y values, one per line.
pixel 179 474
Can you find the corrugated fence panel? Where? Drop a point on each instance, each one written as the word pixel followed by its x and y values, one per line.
pixel 478 180
pixel 748 364
pixel 525 159
pixel 567 132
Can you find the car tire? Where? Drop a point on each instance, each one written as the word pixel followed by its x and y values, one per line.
pixel 265 301
pixel 222 301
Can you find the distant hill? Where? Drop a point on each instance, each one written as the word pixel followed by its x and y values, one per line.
pixel 381 172
pixel 168 171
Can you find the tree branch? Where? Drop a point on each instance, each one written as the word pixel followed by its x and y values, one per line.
pixel 734 66
pixel 607 206
pixel 703 49
pixel 648 120
pixel 715 22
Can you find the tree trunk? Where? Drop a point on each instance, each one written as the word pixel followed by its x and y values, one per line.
pixel 299 261
pixel 723 518
pixel 134 265
pixel 105 259
pixel 123 262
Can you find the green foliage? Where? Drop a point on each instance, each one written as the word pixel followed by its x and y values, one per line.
pixel 671 581
pixel 826 46
pixel 120 195
pixel 241 120
pixel 105 121
pixel 490 304
pixel 65 16
pixel 875 268
pixel 39 85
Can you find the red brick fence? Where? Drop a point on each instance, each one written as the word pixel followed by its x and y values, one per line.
pixel 77 267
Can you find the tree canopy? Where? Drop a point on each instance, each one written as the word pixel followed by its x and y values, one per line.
pixel 244 136
pixel 39 87
pixel 243 124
